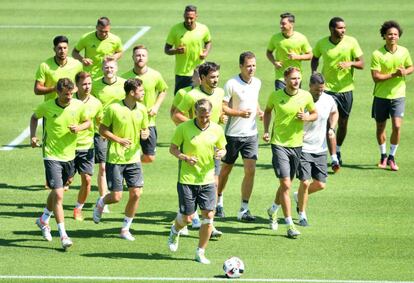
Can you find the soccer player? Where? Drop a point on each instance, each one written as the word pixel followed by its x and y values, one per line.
pixel 287 48
pixel 341 55
pixel 289 105
pixel 124 124
pixel 241 105
pixel 196 143
pixel 155 91
pixel 85 153
pixel 312 170
pixel 108 89
pixel 54 68
pixel 64 118
pixel 390 65
pixel 190 43
pixel 97 45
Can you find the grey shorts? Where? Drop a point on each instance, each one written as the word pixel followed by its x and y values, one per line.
pixel 101 148
pixel 279 84
pixel 248 148
pixel 84 161
pixel 343 101
pixel 313 166
pixel 182 82
pixel 383 108
pixel 189 196
pixel 285 160
pixel 58 172
pixel 149 146
pixel 116 173
pixel 217 167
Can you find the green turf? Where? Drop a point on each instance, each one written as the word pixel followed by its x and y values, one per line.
pixel 361 226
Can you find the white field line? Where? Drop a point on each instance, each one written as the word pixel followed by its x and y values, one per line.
pixel 142 30
pixel 64 27
pixel 116 278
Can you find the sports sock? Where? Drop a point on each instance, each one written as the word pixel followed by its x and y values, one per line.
pixel 383 148
pixel 220 201
pixel 288 220
pixel 196 216
pixel 79 205
pixel 200 251
pixel 127 223
pixel 46 215
pixel 174 230
pixel 244 205
pixel 101 202
pixel 274 207
pixel 393 149
pixel 338 148
pixel 334 157
pixel 302 215
pixel 61 229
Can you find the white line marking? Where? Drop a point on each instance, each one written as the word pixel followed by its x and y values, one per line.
pixel 63 27
pixel 119 278
pixel 142 30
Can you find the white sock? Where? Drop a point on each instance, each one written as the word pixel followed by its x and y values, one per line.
pixel 195 216
pixel 334 157
pixel 338 148
pixel 127 223
pixel 383 148
pixel 393 149
pixel 200 251
pixel 220 201
pixel 244 206
pixel 79 205
pixel 288 220
pixel 101 202
pixel 61 229
pixel 46 215
pixel 302 215
pixel 274 207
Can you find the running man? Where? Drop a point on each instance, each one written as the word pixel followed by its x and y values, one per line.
pixel 190 43
pixel 289 107
pixel 196 143
pixel 242 107
pixel 341 55
pixel 64 117
pixel 124 124
pixel 389 67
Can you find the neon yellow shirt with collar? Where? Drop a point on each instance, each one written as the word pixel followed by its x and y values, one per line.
pixel 348 49
pixel 94 111
pixel 59 143
pixel 125 123
pixel 96 49
pixel 153 84
pixel 194 42
pixel 386 62
pixel 108 93
pixel 287 129
pixel 195 142
pixel 49 72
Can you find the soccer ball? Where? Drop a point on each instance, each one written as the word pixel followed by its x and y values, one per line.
pixel 233 267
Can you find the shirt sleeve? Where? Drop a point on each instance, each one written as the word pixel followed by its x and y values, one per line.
pixel 171 37
pixel 107 117
pixel 186 104
pixel 39 111
pixel 41 73
pixel 227 92
pixel 221 141
pixel 375 63
pixel 80 45
pixel 317 50
pixel 177 138
pixel 357 51
pixel 207 36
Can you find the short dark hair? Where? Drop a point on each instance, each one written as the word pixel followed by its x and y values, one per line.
pixel 59 39
pixel 132 84
pixel 190 8
pixel 334 21
pixel 290 70
pixel 140 46
pixel 81 76
pixel 246 55
pixel 64 83
pixel 289 16
pixel 390 24
pixel 316 78
pixel 203 105
pixel 103 21
pixel 207 67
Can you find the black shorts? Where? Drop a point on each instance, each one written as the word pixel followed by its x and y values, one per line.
pixel 149 146
pixel 101 148
pixel 313 166
pixel 191 195
pixel 58 172
pixel 279 84
pixel 84 161
pixel 182 82
pixel 116 173
pixel 383 108
pixel 343 101
pixel 285 160
pixel 248 148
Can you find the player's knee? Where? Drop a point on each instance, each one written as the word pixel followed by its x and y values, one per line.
pixel 321 185
pixel 116 197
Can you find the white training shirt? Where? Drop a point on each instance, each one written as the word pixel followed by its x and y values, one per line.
pixel 314 137
pixel 242 96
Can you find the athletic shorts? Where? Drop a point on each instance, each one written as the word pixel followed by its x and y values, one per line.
pixel 279 84
pixel 383 108
pixel 189 196
pixel 248 148
pixel 101 148
pixel 285 160
pixel 116 173
pixel 58 172
pixel 313 166
pixel 343 101
pixel 182 82
pixel 84 161
pixel 217 163
pixel 149 146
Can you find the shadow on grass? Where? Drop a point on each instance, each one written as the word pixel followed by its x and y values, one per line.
pixel 23 188
pixel 146 256
pixel 18 243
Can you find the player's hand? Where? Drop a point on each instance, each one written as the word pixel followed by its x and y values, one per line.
pixel 292 56
pixel 266 137
pixel 74 129
pixel 153 111
pixel 331 133
pixel 260 114
pixel 219 153
pixel 87 61
pixel 245 113
pixel 125 142
pixel 203 54
pixel 224 118
pixel 145 134
pixel 277 64
pixel 192 160
pixel 301 115
pixel 400 72
pixel 180 49
pixel 34 142
pixel 344 65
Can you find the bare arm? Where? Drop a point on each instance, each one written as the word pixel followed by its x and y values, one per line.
pixel 271 58
pixel 174 150
pixel 106 133
pixel 206 50
pixel 300 57
pixel 34 141
pixel 234 112
pixel 117 55
pixel 41 89
pixel 154 109
pixel 81 127
pixel 179 117
pixel 307 117
pixel 314 64
pixel 400 72
pixel 85 61
pixel 169 50
pixel 358 63
pixel 266 123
